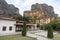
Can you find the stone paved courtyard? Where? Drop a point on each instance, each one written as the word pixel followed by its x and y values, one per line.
pixel 40 35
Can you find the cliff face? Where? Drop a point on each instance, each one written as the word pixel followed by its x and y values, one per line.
pixel 44 8
pixel 40 11
pixel 8 10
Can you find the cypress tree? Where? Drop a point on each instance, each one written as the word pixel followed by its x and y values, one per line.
pixel 50 32
pixel 24 29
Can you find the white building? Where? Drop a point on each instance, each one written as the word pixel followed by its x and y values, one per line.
pixel 10 26
pixel 7 26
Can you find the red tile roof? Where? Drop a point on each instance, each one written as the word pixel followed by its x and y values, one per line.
pixel 19 21
pixel 6 18
pixel 22 24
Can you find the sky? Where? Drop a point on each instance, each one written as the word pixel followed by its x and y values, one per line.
pixel 24 5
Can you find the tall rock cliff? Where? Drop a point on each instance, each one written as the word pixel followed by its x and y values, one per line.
pixel 8 10
pixel 40 11
pixel 47 10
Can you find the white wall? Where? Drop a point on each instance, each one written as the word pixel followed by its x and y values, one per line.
pixel 7 23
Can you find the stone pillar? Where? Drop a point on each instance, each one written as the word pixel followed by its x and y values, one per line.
pixel 35 25
pixel 32 28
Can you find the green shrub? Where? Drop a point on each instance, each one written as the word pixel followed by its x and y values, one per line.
pixel 42 27
pixel 50 32
pixel 46 27
pixel 24 29
pixel 58 27
pixel 54 25
pixel 38 25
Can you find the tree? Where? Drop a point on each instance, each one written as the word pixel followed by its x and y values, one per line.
pixel 54 25
pixel 35 18
pixel 38 26
pixel 42 27
pixel 25 19
pixel 39 19
pixel 58 27
pixel 24 29
pixel 50 32
pixel 18 17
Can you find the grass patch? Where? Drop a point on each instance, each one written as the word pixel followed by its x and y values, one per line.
pixel 57 37
pixel 15 37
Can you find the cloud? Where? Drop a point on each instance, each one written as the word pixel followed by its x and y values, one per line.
pixel 26 4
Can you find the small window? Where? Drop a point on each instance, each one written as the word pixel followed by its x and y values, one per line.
pixel 4 28
pixel 10 28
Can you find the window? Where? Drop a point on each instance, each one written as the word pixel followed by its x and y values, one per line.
pixel 10 28
pixel 4 28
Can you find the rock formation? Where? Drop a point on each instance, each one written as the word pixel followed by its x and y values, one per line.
pixel 8 10
pixel 47 10
pixel 40 11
